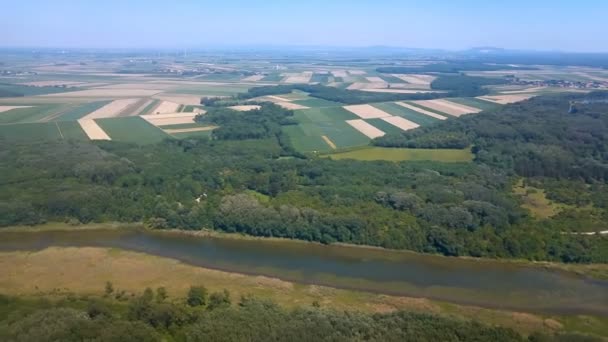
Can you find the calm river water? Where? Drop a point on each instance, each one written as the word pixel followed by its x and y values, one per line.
pixel 464 281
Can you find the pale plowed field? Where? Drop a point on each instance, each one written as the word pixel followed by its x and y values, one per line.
pixel 365 128
pixel 366 111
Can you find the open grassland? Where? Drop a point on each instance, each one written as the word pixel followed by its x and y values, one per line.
pixel 57 272
pixel 132 129
pixel 30 131
pixel 409 114
pixel 536 201
pixel 405 154
pixel 34 113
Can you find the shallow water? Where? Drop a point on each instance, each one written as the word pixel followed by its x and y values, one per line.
pixel 484 283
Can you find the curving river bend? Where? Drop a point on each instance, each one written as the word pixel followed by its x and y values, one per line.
pixel 490 284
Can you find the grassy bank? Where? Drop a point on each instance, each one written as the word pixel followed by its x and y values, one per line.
pixel 57 272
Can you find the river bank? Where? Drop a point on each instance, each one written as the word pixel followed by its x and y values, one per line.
pixel 56 272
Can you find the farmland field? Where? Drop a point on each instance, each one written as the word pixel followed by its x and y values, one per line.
pixel 30 131
pixel 80 111
pixel 405 154
pixel 131 129
pixel 314 102
pixel 33 114
pixel 71 130
pixel 395 109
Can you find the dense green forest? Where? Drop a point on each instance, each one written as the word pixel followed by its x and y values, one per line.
pixel 258 186
pixel 452 85
pixel 155 316
pixel 449 67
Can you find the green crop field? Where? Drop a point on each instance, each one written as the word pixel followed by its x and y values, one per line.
pixel 132 129
pixel 323 114
pixel 473 102
pixel 32 114
pixel 149 107
pixel 301 141
pixel 384 126
pixel 71 130
pixel 30 131
pixel 80 111
pixel 395 109
pixel 405 154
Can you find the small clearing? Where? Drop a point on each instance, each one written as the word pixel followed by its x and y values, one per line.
pixel 421 111
pixel 166 107
pixel 365 128
pixel 422 80
pixel 400 122
pixel 277 98
pixel 253 78
pixel 92 130
pixel 111 110
pixel 186 130
pixel 245 108
pixel 290 105
pixel 169 119
pixel 7 108
pixel 366 111
pixel 445 106
pixel 329 142
pixel 506 99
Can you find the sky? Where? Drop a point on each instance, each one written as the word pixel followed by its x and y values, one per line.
pixel 562 25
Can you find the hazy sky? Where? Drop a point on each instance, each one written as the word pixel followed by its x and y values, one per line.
pixel 567 25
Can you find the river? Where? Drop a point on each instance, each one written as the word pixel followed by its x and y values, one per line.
pixel 492 284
